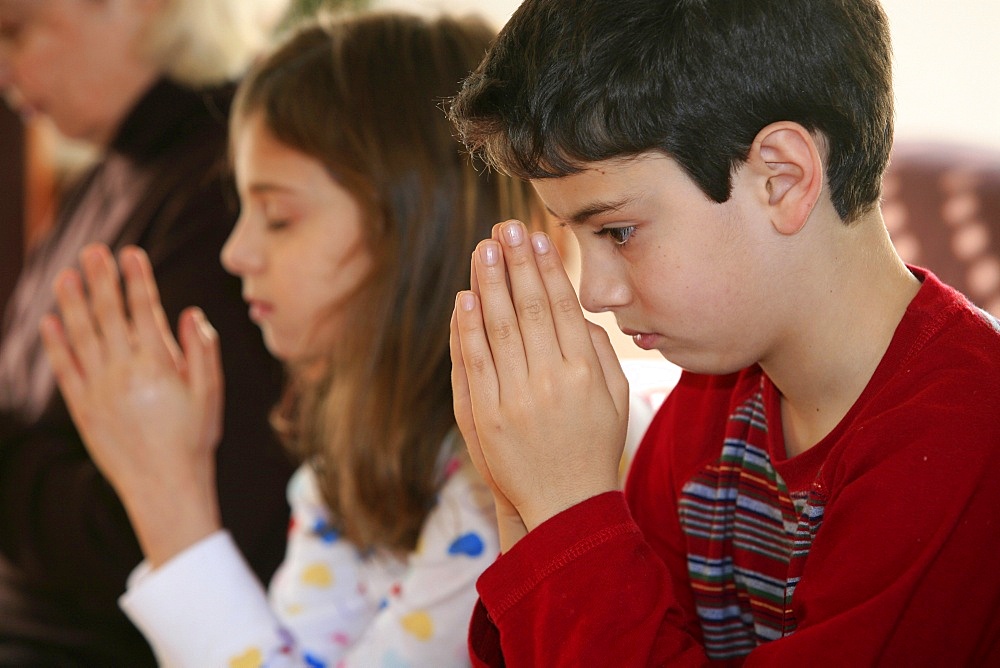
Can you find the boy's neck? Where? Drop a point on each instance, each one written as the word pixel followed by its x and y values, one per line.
pixel 857 292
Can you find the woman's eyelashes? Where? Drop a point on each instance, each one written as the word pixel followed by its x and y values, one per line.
pixel 619 235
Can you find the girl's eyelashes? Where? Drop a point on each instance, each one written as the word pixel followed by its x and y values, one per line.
pixel 276 225
pixel 619 235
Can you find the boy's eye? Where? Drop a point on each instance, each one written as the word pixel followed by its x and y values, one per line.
pixel 276 225
pixel 619 235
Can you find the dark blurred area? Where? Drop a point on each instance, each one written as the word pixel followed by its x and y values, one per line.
pixel 12 200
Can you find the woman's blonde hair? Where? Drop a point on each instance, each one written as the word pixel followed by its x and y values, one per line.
pixel 364 96
pixel 207 42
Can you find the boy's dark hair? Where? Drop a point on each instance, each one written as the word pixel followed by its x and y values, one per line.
pixel 568 83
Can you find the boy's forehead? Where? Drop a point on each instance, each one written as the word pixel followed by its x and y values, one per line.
pixel 601 187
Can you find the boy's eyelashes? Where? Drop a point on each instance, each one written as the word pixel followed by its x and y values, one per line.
pixel 619 235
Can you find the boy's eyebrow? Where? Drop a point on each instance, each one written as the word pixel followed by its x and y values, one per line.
pixel 588 211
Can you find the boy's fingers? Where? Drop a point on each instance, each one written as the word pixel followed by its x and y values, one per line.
pixel 477 359
pixel 462 401
pixel 495 310
pixel 614 376
pixel 459 380
pixel 107 305
pixel 529 296
pixel 567 316
pixel 474 280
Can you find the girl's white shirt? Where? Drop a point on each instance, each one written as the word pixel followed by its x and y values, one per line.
pixel 328 604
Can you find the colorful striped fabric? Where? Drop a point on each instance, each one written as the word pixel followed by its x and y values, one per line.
pixel 747 537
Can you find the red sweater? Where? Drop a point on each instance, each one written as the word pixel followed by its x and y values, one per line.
pixel 878 546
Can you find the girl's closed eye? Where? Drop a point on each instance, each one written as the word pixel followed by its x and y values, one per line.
pixel 277 224
pixel 619 235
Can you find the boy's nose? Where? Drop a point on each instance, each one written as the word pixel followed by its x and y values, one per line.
pixel 601 289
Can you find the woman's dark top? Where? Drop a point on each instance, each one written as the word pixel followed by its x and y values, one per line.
pixel 66 546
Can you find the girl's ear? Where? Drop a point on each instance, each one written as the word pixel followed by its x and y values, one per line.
pixel 787 158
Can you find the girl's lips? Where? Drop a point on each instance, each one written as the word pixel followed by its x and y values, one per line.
pixel 259 311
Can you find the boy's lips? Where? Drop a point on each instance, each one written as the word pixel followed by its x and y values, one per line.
pixel 645 340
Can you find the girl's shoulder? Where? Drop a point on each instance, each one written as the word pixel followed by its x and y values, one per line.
pixel 463 521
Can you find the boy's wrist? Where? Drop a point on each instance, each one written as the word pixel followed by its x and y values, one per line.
pixel 510 528
pixel 537 511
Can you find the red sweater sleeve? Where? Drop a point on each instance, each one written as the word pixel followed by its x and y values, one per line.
pixel 587 578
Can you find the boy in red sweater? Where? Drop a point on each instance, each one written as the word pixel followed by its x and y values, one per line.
pixel 818 489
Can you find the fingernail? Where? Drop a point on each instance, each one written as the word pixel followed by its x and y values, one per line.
pixel 490 252
pixel 540 241
pixel 205 326
pixel 514 232
pixel 466 301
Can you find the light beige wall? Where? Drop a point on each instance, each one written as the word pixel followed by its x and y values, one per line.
pixel 496 11
pixel 947 57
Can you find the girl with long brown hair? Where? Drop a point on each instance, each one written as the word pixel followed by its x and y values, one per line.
pixel 359 214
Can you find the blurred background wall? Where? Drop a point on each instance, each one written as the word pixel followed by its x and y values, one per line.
pixel 947 57
pixel 946 62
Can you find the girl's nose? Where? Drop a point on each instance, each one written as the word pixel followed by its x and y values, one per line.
pixel 241 253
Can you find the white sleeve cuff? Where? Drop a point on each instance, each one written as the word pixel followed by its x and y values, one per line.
pixel 202 604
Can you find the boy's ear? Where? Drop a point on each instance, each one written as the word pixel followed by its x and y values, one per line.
pixel 785 154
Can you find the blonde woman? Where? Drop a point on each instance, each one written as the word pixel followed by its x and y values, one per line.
pixel 148 83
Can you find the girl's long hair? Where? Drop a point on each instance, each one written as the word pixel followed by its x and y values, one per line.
pixel 364 96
